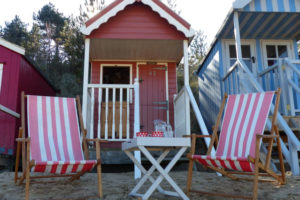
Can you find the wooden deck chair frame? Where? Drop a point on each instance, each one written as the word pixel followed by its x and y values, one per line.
pixel 258 165
pixel 24 144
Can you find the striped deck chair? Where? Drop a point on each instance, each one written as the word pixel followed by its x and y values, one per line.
pixel 238 146
pixel 53 145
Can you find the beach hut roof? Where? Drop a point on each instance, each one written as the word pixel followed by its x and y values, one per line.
pixel 156 5
pixel 261 19
pixel 13 47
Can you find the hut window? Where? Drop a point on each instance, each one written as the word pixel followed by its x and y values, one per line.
pixel 116 75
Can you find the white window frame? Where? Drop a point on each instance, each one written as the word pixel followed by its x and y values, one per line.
pixel 226 57
pixel 116 65
pixel 288 43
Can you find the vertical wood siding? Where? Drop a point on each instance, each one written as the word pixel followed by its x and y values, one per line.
pixel 8 98
pixel 273 6
pixel 18 75
pixel 137 21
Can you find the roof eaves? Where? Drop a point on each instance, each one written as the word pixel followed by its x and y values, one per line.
pixel 11 46
pixel 178 22
pixel 216 38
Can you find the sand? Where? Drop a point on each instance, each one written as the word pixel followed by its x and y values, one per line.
pixel 118 185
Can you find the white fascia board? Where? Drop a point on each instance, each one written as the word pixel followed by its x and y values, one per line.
pixel 187 32
pixel 238 4
pixel 87 30
pixel 12 46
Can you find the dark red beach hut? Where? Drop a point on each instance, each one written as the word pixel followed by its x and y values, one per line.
pixel 16 74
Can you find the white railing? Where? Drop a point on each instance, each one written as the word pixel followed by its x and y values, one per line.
pixel 293 143
pixel 181 118
pixel 108 111
pixel 9 111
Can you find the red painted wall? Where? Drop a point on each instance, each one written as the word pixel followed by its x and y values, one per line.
pixel 172 82
pixel 18 75
pixel 137 21
pixel 8 98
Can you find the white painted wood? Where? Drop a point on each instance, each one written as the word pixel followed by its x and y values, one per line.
pixel 99 112
pixel 167 94
pixel 237 35
pixel 12 46
pixel 121 114
pixel 179 114
pixel 113 132
pixel 9 111
pixel 156 142
pixel 128 115
pixel 186 83
pixel 92 113
pixel 282 85
pixel 110 86
pixel 85 80
pixel 137 154
pixel 188 32
pixel 106 112
pixel 1 73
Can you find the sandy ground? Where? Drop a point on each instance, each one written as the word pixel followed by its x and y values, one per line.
pixel 118 185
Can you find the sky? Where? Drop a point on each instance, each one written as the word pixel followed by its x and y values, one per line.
pixel 207 15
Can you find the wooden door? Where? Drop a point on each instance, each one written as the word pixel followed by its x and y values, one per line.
pixel 153 99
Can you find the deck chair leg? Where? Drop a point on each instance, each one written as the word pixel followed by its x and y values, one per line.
pixel 27 183
pixel 190 176
pixel 255 180
pixel 17 158
pixel 99 169
pixel 28 167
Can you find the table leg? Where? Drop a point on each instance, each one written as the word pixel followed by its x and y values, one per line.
pixel 163 172
pixel 147 173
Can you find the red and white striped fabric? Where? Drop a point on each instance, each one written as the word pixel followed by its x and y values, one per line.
pixel 142 134
pixel 245 116
pixel 157 134
pixel 55 143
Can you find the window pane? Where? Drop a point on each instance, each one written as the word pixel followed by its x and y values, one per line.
pixel 232 52
pixel 271 62
pixel 282 51
pixel 246 51
pixel 271 51
pixel 116 75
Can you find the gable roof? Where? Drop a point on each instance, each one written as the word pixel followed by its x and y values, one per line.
pixel 119 5
pixel 13 47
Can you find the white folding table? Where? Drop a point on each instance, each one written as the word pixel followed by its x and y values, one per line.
pixel 164 145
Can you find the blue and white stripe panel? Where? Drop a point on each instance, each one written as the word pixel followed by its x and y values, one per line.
pixel 273 6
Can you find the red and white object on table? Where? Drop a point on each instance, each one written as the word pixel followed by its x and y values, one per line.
pixel 157 134
pixel 141 134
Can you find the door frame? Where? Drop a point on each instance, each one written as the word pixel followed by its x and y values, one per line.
pixel 226 58
pixel 167 83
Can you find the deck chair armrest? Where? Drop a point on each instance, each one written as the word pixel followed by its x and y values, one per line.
pixel 95 140
pixel 267 136
pixel 198 136
pixel 23 139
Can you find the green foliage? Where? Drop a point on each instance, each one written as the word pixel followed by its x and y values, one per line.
pixel 15 31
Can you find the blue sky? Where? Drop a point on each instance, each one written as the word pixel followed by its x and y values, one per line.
pixel 207 15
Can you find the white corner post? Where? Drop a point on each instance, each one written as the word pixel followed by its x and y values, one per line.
pixel 85 79
pixel 186 85
pixel 137 154
pixel 237 36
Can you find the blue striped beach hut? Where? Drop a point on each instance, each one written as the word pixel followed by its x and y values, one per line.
pixel 255 49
